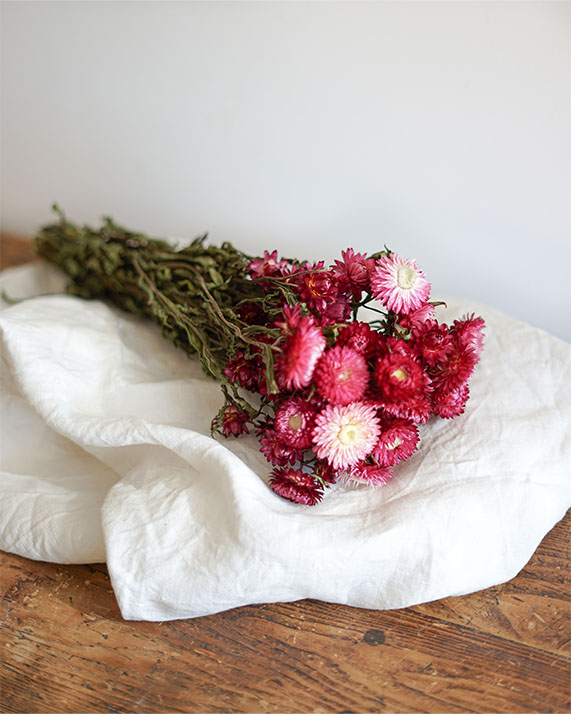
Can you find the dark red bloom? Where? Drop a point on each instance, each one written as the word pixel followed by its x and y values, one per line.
pixel 360 337
pixel 252 314
pixel 432 342
pixel 317 286
pixel 275 451
pixel 338 311
pixel 403 386
pixel 296 486
pixel 326 472
pixel 234 421
pixel 244 371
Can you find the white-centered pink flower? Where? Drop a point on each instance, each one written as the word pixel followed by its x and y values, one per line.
pixel 344 435
pixel 399 284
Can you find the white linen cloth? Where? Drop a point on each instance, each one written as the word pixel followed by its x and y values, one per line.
pixel 106 457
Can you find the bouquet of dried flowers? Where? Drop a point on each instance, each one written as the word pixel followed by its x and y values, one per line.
pixel 330 397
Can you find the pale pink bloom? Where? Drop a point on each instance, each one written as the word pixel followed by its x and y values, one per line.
pixel 399 284
pixel 344 435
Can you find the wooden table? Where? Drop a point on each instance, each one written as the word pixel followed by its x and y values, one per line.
pixel 66 649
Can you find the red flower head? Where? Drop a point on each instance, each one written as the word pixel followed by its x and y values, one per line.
pixel 415 318
pixel 234 421
pixel 301 350
pixel 452 403
pixel 292 318
pixel 432 342
pixel 458 367
pixel 338 311
pixel 275 451
pixel 244 371
pixel 268 266
pixel 360 337
pixel 352 273
pixel 294 422
pixel 341 375
pixel 371 473
pixel 397 441
pixel 403 387
pixel 296 486
pixel 326 472
pixel 252 314
pixel 470 332
pixel 317 287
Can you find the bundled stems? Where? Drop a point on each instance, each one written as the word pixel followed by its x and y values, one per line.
pixel 192 292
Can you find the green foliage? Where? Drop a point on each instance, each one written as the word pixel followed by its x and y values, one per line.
pixel 192 292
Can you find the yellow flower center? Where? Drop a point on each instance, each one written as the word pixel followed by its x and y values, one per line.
pixel 348 434
pixel 406 277
pixel 396 442
pixel 295 421
pixel 399 374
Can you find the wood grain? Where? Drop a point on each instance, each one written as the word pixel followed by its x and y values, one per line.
pixel 65 647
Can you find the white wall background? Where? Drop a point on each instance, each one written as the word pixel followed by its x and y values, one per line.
pixel 441 129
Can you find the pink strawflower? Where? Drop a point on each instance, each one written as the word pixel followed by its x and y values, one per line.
pixel 294 421
pixel 360 337
pixel 458 367
pixel 352 273
pixel 296 486
pixel 234 421
pixel 344 435
pixel 416 318
pixel 432 342
pixel 372 474
pixel 452 403
pixel 470 332
pixel 268 266
pixel 300 353
pixel 338 311
pixel 275 451
pixel 341 375
pixel 400 377
pixel 317 286
pixel 397 441
pixel 290 319
pixel 399 283
pixel 403 387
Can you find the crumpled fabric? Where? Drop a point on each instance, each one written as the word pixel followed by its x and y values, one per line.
pixel 106 456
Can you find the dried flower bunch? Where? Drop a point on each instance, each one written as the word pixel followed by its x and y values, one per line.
pixel 329 396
